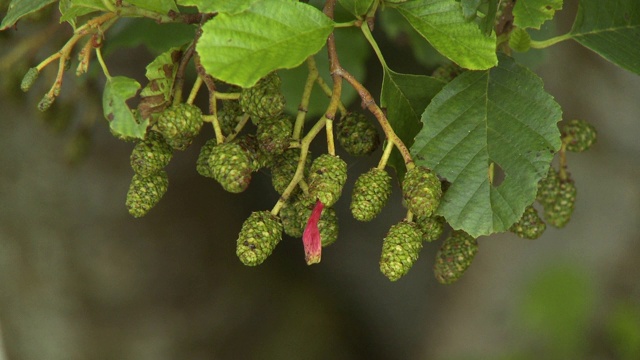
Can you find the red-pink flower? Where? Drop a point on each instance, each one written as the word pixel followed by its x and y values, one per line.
pixel 311 236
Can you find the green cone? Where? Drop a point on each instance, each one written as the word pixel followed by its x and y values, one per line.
pixel 285 168
pixel 202 164
pixel 179 124
pixel 151 154
pixel 231 166
pixel 431 227
pixel 578 135
pixel 530 226
pixel 145 192
pixel 421 191
pixel 548 188
pixel 229 115
pixel 274 135
pixel 454 257
pixel 400 250
pixel 559 212
pixel 259 235
pixel 370 194
pixel 357 135
pixel 264 100
pixel 326 179
pixel 29 79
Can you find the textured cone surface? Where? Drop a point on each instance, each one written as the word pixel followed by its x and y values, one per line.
pixel 454 257
pixel 530 225
pixel 447 72
pixel 29 79
pixel 291 219
pixel 274 135
pixel 231 166
pixel 285 168
pixel 357 135
pixel 151 154
pixel 145 192
pixel 421 191
pixel 559 212
pixel 578 135
pixel 400 250
pixel 431 227
pixel 548 188
pixel 202 164
pixel 228 116
pixel 370 194
pixel 259 235
pixel 264 100
pixel 179 124
pixel 328 226
pixel 250 146
pixel 326 179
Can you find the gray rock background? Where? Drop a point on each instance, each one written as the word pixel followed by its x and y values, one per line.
pixel 81 279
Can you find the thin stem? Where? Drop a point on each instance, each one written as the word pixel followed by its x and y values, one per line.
pixel 385 155
pixel 243 121
pixel 409 216
pixel 194 90
pixel 304 150
pixel 546 43
pixel 563 162
pixel 369 36
pixel 303 108
pixel 348 24
pixel 227 96
pixel 331 147
pixel 179 82
pixel 327 90
pixel 105 70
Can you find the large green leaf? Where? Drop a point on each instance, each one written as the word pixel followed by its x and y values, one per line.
pixel 443 24
pixel 20 8
pixel 221 6
pixel 533 13
pixel 356 7
pixel 159 6
pixel 405 97
pixel 114 105
pixel 272 34
pixel 501 116
pixel 612 29
pixel 72 9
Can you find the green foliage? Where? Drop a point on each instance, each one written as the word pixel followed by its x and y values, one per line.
pixel 478 136
pixel 610 28
pixel 442 21
pixel 121 119
pixel 533 13
pixel 275 34
pixel 469 125
pixel 20 8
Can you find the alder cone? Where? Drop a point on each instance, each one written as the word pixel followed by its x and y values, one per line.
pixel 145 192
pixel 370 194
pixel 259 235
pixel 400 250
pixel 454 257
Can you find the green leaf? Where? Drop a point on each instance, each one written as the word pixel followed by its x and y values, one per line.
pixel 501 116
pixel 405 97
pixel 159 6
pixel 356 7
pixel 242 48
pixel 611 29
pixel 533 13
pixel 442 23
pixel 349 40
pixel 20 8
pixel 114 103
pixel 470 8
pixel 161 72
pixel 221 6
pixel 72 9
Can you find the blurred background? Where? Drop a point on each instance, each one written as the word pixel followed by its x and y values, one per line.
pixel 81 279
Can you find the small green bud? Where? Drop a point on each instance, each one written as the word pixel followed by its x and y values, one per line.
pixel 29 79
pixel 46 102
pixel 578 135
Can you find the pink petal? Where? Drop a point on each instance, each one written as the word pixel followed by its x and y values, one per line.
pixel 311 236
